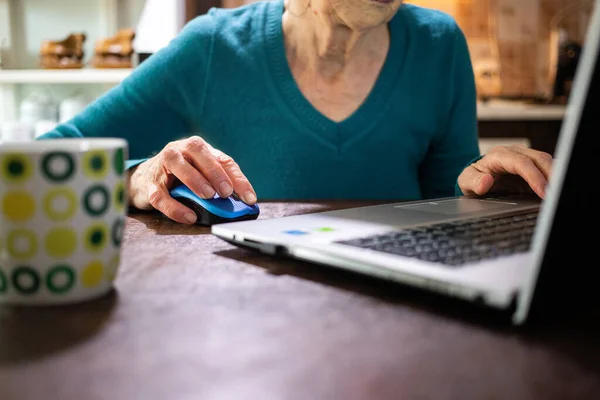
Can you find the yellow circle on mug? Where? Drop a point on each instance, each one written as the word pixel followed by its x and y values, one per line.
pixel 113 267
pixel 60 204
pixel 61 242
pixel 92 274
pixel 22 244
pixel 96 164
pixel 18 206
pixel 96 237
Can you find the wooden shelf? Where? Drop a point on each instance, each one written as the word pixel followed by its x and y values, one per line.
pixel 85 75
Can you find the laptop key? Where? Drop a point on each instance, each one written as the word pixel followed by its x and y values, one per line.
pixel 456 243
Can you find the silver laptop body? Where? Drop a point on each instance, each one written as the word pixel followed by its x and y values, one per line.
pixel 504 280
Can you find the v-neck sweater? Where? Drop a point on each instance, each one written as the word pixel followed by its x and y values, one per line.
pixel 226 78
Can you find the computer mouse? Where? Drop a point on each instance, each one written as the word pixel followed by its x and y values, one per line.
pixel 217 210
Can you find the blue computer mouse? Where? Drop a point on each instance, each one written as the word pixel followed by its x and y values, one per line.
pixel 216 210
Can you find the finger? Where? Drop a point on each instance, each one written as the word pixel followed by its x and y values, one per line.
pixel 176 164
pixel 541 159
pixel 524 166
pixel 199 154
pixel 241 185
pixel 161 200
pixel 472 181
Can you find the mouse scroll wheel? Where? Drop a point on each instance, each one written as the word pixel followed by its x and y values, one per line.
pixel 235 197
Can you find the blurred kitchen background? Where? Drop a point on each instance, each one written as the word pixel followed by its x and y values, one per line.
pixel 524 54
pixel 514 43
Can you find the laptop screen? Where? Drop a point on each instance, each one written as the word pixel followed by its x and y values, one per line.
pixel 564 271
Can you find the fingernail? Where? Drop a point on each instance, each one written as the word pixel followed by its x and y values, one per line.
pixel 478 181
pixel 208 191
pixel 225 189
pixel 250 198
pixel 190 217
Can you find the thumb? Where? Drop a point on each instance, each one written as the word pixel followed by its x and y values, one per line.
pixel 473 181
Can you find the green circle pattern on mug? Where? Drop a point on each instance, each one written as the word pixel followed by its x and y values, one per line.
pixel 119 162
pixel 25 280
pixel 96 237
pixel 95 164
pixel 117 231
pixel 58 166
pixel 60 279
pixel 96 200
pixel 61 206
pixel 119 194
pixel 16 168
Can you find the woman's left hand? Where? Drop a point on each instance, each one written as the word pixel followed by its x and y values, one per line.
pixel 514 169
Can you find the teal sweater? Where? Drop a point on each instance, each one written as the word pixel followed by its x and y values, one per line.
pixel 226 78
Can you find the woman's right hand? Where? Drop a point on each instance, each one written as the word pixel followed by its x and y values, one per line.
pixel 196 164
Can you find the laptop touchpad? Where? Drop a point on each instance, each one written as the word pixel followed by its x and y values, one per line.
pixel 458 206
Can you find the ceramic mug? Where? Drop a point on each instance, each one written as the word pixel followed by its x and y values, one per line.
pixel 63 205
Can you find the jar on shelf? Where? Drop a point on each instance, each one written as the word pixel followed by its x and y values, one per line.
pixel 3 46
pixel 42 127
pixel 38 106
pixel 71 106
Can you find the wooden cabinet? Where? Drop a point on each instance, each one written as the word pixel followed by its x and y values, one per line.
pixel 193 8
pixel 506 122
pixel 541 134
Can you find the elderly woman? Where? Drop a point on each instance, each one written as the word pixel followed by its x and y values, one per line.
pixel 313 99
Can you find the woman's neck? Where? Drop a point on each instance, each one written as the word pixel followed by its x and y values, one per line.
pixel 323 45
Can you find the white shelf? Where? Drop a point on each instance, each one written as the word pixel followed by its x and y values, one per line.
pixel 518 111
pixel 84 75
pixel 24 24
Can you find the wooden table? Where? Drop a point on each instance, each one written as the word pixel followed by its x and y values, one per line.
pixel 193 317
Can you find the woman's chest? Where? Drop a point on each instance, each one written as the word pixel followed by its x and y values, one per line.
pixel 338 98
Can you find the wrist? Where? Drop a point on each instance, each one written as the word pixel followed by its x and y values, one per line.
pixel 134 175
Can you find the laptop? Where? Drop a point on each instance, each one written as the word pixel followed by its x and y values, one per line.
pixel 518 254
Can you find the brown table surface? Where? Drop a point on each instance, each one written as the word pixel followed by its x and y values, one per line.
pixel 193 317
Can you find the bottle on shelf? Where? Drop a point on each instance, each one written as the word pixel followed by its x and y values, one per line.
pixel 38 112
pixel 15 131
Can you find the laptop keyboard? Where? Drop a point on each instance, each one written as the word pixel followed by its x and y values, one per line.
pixel 456 243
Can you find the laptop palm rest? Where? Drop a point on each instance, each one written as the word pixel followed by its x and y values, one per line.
pixel 419 212
pixel 458 206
